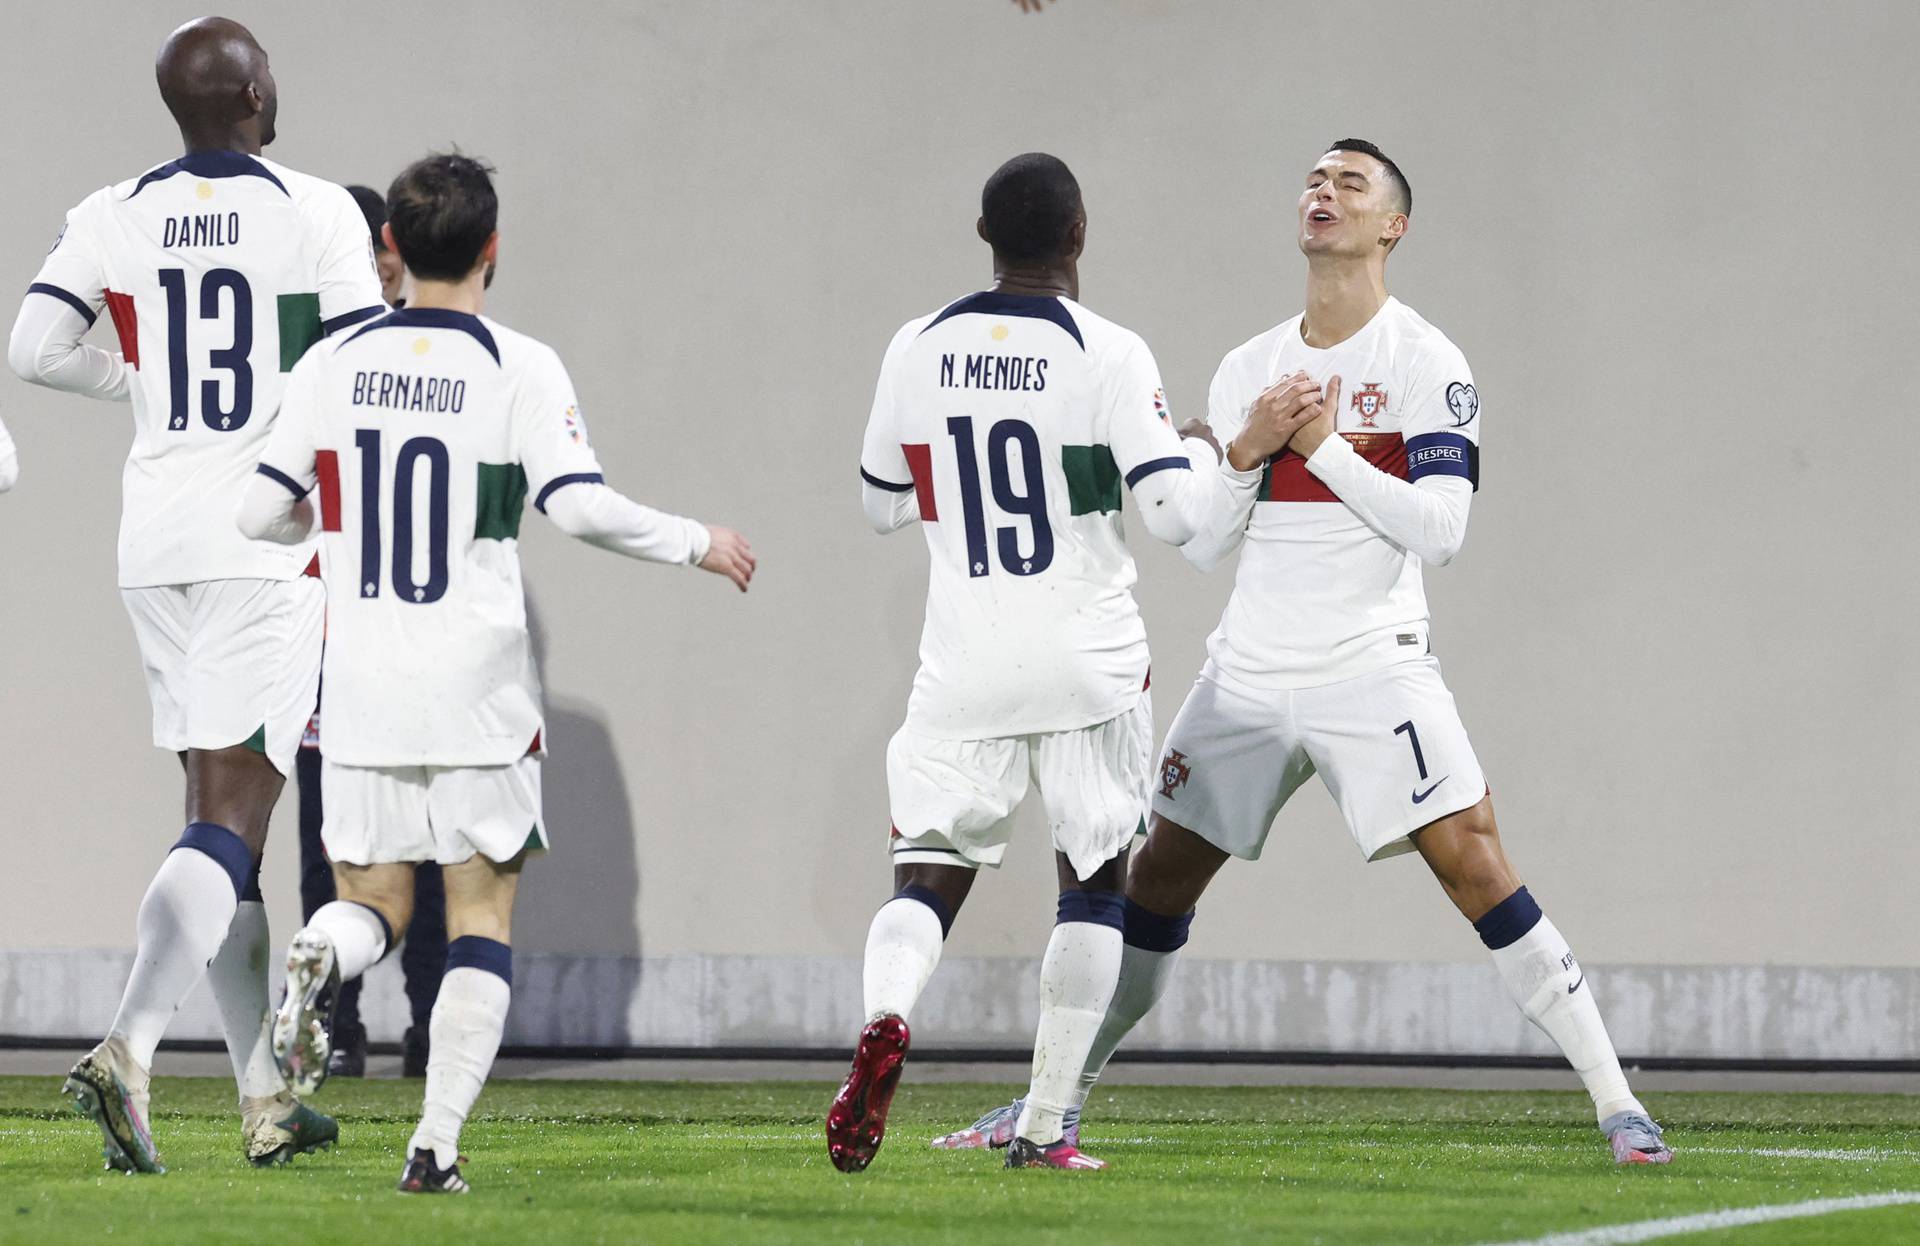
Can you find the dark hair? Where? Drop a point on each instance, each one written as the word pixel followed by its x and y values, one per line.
pixel 1394 174
pixel 374 208
pixel 442 210
pixel 1028 206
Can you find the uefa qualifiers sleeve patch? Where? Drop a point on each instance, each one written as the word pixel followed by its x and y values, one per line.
pixel 1464 401
pixel 1443 454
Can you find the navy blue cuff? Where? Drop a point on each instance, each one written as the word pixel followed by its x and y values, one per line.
pixel 931 898
pixel 1151 466
pixel 888 485
pixel 68 297
pixel 1102 908
pixel 1155 932
pixel 275 474
pixel 560 482
pixel 226 848
pixel 1508 921
pixel 488 955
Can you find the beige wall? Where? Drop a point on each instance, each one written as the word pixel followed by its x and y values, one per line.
pixel 1673 241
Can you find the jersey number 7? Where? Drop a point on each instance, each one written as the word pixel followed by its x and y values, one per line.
pixel 414 452
pixel 1032 503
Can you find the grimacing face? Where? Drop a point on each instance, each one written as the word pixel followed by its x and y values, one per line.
pixel 1349 206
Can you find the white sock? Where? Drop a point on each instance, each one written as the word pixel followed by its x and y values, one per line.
pixel 358 935
pixel 183 920
pixel 1076 986
pixel 1143 980
pixel 468 1019
pixel 1550 988
pixel 238 976
pixel 903 946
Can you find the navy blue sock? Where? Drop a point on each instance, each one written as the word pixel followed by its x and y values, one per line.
pixel 1155 932
pixel 475 952
pixel 1508 921
pixel 931 898
pixel 226 848
pixel 1102 908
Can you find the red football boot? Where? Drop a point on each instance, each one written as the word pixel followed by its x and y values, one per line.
pixel 858 1118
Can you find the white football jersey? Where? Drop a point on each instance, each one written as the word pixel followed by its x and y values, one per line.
pixel 424 434
pixel 219 269
pixel 1320 596
pixel 1017 421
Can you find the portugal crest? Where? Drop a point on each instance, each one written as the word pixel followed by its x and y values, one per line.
pixel 1369 400
pixel 1173 772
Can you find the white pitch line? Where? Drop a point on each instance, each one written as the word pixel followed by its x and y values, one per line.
pixel 1732 1218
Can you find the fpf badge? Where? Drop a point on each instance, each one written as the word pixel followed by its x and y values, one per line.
pixel 1370 400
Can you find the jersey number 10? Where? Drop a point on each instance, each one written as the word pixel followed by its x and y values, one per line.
pixel 234 358
pixel 414 452
pixel 1032 503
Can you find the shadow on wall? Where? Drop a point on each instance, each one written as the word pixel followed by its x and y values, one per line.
pixel 575 917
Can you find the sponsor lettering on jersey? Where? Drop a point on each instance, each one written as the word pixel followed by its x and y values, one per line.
pixel 994 372
pixel 399 392
pixel 201 229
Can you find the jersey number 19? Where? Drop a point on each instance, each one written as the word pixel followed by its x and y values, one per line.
pixel 1032 503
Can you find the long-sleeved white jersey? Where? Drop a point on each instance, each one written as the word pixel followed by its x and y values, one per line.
pixel 1329 584
pixel 424 434
pixel 1009 425
pixel 219 269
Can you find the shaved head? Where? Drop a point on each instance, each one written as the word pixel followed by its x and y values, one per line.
pixel 214 78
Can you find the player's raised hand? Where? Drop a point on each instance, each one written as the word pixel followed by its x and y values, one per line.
pixel 1320 425
pixel 729 554
pixel 1275 416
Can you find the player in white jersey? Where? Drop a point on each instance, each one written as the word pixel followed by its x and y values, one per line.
pixel 415 443
pixel 1352 435
pixel 218 270
pixel 1009 424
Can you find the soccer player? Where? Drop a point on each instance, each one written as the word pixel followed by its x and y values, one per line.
pixel 219 269
pixel 9 461
pixel 424 433
pixel 423 953
pixel 1008 423
pixel 1352 438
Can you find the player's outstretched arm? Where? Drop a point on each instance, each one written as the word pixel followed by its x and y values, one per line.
pixel 9 461
pixel 45 349
pixel 594 513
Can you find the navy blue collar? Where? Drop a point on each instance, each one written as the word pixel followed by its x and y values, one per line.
pixel 1000 303
pixel 435 318
pixel 211 164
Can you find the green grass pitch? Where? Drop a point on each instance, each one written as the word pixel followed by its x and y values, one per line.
pixel 625 1162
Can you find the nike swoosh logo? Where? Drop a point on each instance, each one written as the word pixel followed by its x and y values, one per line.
pixel 1576 986
pixel 1420 796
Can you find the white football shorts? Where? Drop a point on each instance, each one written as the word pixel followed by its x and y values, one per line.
pixel 1388 744
pixel 952 800
pixel 377 815
pixel 231 662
